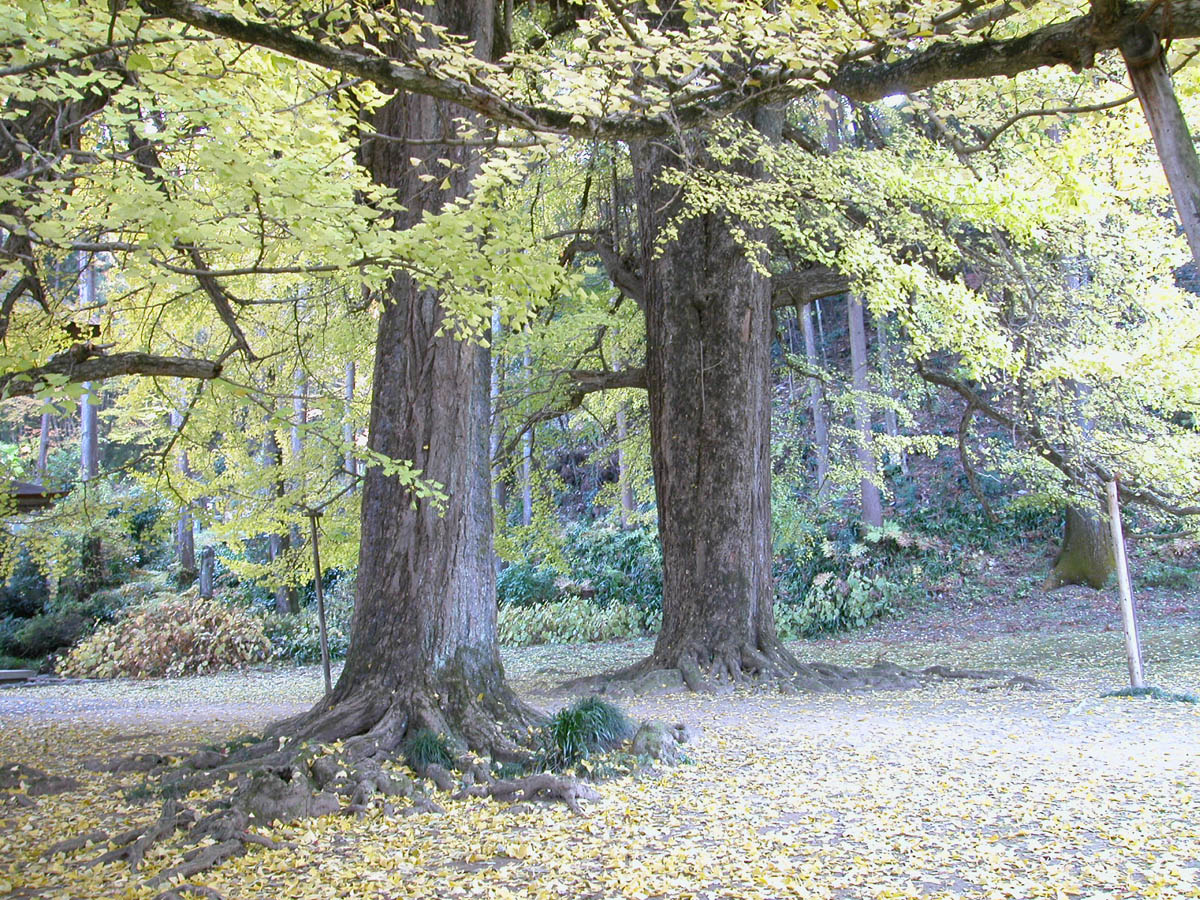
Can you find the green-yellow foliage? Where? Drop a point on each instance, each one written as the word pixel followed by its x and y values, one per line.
pixel 571 620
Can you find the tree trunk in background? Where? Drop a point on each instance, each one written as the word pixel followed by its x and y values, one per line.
pixel 624 483
pixel 89 433
pixel 351 463
pixel 92 568
pixel 185 538
pixel 296 439
pixel 891 422
pixel 499 491
pixel 43 460
pixel 821 340
pixel 1086 555
pixel 708 340
pixel 423 650
pixel 872 503
pixel 816 400
pixel 287 601
pixel 527 460
pixel 208 564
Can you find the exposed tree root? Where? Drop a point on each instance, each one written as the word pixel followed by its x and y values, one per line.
pixel 177 892
pixel 200 860
pixel 726 666
pixel 132 845
pixel 76 843
pixel 34 782
pixel 542 786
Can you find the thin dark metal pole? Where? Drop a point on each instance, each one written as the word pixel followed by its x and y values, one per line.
pixel 313 515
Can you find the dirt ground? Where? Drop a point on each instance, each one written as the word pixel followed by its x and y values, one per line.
pixel 942 792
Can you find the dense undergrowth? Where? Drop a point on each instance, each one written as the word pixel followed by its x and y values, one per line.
pixel 587 584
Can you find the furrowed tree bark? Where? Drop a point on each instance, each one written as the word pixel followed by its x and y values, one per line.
pixel 423 650
pixel 708 338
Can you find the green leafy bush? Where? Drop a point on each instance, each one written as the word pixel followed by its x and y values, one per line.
pixel 622 567
pixel 297 638
pixel 574 620
pixel 1166 575
pixel 182 635
pixel 55 630
pixel 526 584
pixel 587 726
pixel 834 603
pixel 26 591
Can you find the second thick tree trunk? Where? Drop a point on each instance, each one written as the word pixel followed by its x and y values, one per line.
pixel 708 334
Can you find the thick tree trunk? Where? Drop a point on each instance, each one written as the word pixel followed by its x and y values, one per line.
pixel 872 503
pixel 423 650
pixel 1086 556
pixel 708 338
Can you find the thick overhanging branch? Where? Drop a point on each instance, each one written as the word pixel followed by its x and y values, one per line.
pixel 97 368
pixel 800 287
pixel 1077 474
pixel 580 383
pixel 1074 43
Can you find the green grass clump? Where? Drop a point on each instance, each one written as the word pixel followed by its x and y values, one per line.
pixel 1154 693
pixel 577 731
pixel 425 748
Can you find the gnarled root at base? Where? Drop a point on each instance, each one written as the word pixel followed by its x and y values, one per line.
pixel 293 775
pixel 701 669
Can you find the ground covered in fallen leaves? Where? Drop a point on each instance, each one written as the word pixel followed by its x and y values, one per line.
pixel 947 791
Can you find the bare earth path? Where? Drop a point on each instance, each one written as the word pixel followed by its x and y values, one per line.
pixel 942 792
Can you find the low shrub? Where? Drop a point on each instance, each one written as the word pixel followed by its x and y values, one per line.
pixel 574 620
pixel 836 603
pixel 26 591
pixel 425 748
pixel 1166 575
pixel 587 726
pixel 297 638
pixel 55 630
pixel 618 566
pixel 182 635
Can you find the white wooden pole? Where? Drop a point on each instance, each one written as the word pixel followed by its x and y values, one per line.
pixel 1133 644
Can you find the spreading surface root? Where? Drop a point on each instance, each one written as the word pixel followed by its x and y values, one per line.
pixel 287 778
pixel 728 666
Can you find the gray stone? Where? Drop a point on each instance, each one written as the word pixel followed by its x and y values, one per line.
pixel 656 741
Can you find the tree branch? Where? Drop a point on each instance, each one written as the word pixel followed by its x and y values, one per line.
pixel 1074 43
pixel 77 366
pixel 800 287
